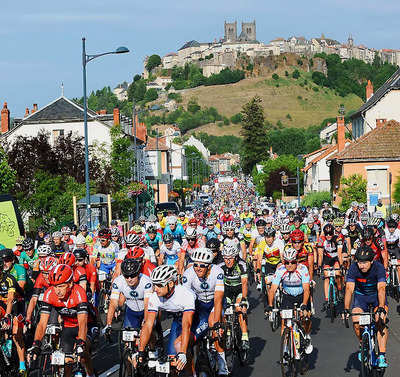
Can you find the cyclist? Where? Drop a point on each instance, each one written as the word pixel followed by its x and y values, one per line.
pixel 66 232
pixel 39 238
pixel 28 256
pixel 236 286
pixel 354 233
pixel 154 239
pixel 116 237
pixel 58 246
pixel 246 214
pixel 298 224
pixel 169 251
pixel 295 282
pixel 366 279
pixel 82 262
pixel 215 246
pixel 161 220
pixel 79 272
pixel 183 220
pixel 107 252
pixel 17 249
pixel 178 300
pixel 79 322
pixel 175 229
pixel 330 255
pixel 364 217
pixel 43 251
pixel 206 280
pixel 211 230
pixel 230 238
pixel 191 243
pixel 285 233
pixel 225 216
pixel 246 231
pixel 83 230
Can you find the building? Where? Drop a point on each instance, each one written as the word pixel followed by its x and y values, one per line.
pixel 192 141
pixel 121 91
pixel 380 106
pixel 222 164
pixel 375 155
pixel 248 32
pixel 170 105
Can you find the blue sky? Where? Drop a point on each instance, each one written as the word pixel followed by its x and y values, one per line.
pixel 41 40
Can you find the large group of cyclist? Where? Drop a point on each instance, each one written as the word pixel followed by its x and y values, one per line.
pixel 184 271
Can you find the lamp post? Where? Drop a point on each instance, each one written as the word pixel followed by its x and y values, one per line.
pixel 86 59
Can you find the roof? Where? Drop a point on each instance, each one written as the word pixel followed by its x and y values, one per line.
pixel 318 150
pixel 152 144
pixel 190 44
pixel 378 144
pixel 393 83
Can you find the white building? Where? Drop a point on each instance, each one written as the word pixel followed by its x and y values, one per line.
pixel 199 145
pixel 121 91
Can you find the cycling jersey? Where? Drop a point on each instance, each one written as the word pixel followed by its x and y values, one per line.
pixel 40 287
pixel 354 235
pixel 155 243
pixel 59 250
pixel 312 233
pixel 147 267
pixel 366 283
pixel 248 216
pixel 211 233
pixel 377 245
pixel 186 248
pixel 28 261
pixel 233 276
pixel 292 282
pixel 178 233
pixel 172 253
pixel 20 274
pixel 91 276
pixel 7 284
pixel 246 233
pixel 392 239
pixel 303 253
pixel 108 254
pixel 330 247
pixel 271 253
pixel 204 287
pixel 257 237
pixel 234 241
pixel 302 227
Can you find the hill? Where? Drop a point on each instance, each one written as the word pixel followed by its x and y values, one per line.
pixel 294 102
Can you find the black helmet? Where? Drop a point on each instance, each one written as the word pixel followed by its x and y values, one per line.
pixel 131 266
pixel 80 253
pixel 364 253
pixel 270 232
pixel 6 253
pixel 291 213
pixel 392 224
pixel 27 244
pixel 329 230
pixel 74 227
pixel 297 219
pixel 168 237
pixel 261 222
pixel 213 244
pixel 330 216
pixel 152 229
pixel 368 233
pixel 41 229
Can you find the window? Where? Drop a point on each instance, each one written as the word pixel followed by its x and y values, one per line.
pixel 56 135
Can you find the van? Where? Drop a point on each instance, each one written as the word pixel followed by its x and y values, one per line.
pixel 167 206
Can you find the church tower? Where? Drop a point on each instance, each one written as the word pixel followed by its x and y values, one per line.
pixel 230 31
pixel 350 40
pixel 249 29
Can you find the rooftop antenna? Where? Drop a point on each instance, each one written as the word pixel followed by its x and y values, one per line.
pixel 62 89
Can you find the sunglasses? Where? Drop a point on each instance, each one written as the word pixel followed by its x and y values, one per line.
pixel 229 258
pixel 191 238
pixel 290 263
pixel 297 242
pixel 80 259
pixel 201 265
pixel 103 239
pixel 7 260
pixel 328 234
pixel 129 276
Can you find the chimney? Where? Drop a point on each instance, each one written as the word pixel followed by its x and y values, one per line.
pixel 103 112
pixel 379 122
pixel 5 119
pixel 341 138
pixel 34 108
pixel 116 116
pixel 26 112
pixel 369 90
pixel 141 131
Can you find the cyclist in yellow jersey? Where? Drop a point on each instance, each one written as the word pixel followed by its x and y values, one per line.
pixel 246 214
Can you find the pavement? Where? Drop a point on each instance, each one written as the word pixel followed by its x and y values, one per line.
pixel 335 346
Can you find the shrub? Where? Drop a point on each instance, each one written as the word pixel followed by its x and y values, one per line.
pixel 296 74
pixel 315 89
pixel 286 73
pixel 315 199
pixel 226 121
pixel 275 76
pixel 289 116
pixel 299 97
pixel 237 118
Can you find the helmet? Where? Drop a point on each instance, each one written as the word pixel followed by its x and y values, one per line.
pixel 44 250
pixel 57 235
pixel 113 222
pixel 343 214
pixel 289 254
pixel 202 255
pixel 237 219
pixel 47 238
pixel 104 233
pixel 137 229
pixel 213 244
pixel 164 274
pixel 392 224
pixel 83 228
pixel 229 225
pixel 27 244
pixel 6 253
pixel 265 212
pixel 66 230
pixel 115 232
pixel 135 253
pixel 291 213
pixel 248 220
pixel 168 238
pixel 19 240
pixel 374 221
pixel 47 264
pixel 41 229
pixel 132 240
pixel 354 204
pixel 172 220
pixel 181 214
pixel 297 219
pixel 378 214
pixel 191 233
pixel 277 222
pixel 152 229
pixel 62 273
pixel 80 239
pixel 368 233
pixel 352 221
pixel 131 267
pixel 393 216
pixel 210 221
pixel 328 230
pixel 310 220
pixel 365 216
pixel 285 229
pixel 297 235
pixel 152 218
pixel 193 221
pixel 246 208
pixel 261 222
pixel 230 251
pixel 364 253
pixel 67 258
pixel 80 253
pixel 142 218
pixel 270 232
pixel 338 222
pixel 330 216
pixel 226 210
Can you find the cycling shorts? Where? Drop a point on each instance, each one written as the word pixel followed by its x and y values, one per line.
pixel 328 261
pixel 200 319
pixel 107 268
pixel 289 301
pixel 269 268
pixel 176 331
pixel 395 252
pixel 70 334
pixel 362 302
pixel 233 293
pixel 171 260
pixel 18 312
pixel 133 319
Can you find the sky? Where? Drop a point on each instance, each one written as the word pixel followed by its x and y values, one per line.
pixel 41 41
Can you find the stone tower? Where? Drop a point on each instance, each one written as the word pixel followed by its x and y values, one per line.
pixel 350 40
pixel 249 28
pixel 231 31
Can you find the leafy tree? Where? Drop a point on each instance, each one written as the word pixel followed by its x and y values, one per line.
pixel 191 154
pixel 140 90
pixel 286 73
pixel 153 61
pixel 151 95
pixel 396 193
pixel 7 174
pixel 237 118
pixel 315 199
pixel 254 134
pixel 275 76
pixel 354 188
pixel 136 78
pixel 296 74
pixel 193 106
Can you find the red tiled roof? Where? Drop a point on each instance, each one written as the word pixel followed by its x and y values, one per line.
pixel 318 150
pixel 380 143
pixel 152 144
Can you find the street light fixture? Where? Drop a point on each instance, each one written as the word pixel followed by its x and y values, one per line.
pixel 86 59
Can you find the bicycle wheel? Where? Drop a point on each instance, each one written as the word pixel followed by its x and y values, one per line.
pixel 365 356
pixel 102 303
pixel 277 317
pixel 395 286
pixel 287 358
pixel 230 349
pixel 302 363
pixel 126 367
pixel 241 353
pixel 331 302
pixel 204 371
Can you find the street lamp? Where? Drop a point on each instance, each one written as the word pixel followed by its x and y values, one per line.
pixel 86 59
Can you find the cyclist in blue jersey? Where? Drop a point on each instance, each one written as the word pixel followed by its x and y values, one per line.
pixel 153 238
pixel 211 230
pixel 176 229
pixel 367 280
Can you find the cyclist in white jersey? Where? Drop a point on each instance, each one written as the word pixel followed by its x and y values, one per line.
pixel 106 250
pixel 169 251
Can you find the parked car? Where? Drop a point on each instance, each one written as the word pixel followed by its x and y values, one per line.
pixel 167 206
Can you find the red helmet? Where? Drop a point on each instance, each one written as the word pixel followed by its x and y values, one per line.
pixel 297 235
pixel 135 253
pixel 47 264
pixel 104 233
pixel 143 240
pixel 67 258
pixel 61 274
pixel 193 221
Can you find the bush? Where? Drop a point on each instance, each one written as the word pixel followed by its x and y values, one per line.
pixel 289 116
pixel 315 89
pixel 296 74
pixel 315 199
pixel 220 124
pixel 276 195
pixel 286 73
pixel 299 97
pixel 277 85
pixel 237 118
pixel 275 76
pixel 226 121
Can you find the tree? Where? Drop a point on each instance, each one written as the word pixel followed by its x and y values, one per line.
pixel 153 61
pixel 199 166
pixel 140 90
pixel 255 138
pixel 275 76
pixel 296 74
pixel 315 199
pixel 151 95
pixel 193 106
pixel 354 188
pixel 7 174
pixel 396 193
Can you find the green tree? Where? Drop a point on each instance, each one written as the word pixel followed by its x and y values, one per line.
pixel 275 76
pixel 151 95
pixel 153 61
pixel 193 106
pixel 195 158
pixel 296 74
pixel 315 199
pixel 7 174
pixel 396 193
pixel 140 90
pixel 354 188
pixel 255 137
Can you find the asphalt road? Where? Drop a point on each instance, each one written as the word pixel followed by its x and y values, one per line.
pixel 335 346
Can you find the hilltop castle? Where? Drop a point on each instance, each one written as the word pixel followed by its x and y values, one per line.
pixel 248 32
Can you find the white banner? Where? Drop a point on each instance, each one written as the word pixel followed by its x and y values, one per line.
pixel 148 164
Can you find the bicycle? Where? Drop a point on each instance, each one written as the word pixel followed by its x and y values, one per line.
pixel 332 292
pixel 130 337
pixel 9 361
pixel 206 356
pixel 59 363
pixel 104 296
pixel 369 343
pixel 293 343
pixel 160 366
pixel 266 280
pixel 393 285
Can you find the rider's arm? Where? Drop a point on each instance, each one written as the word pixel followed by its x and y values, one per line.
pixel 306 293
pixel 82 323
pixel 111 310
pixel 243 247
pixel 310 258
pixel 349 293
pixel 31 307
pixel 340 255
pixel 382 294
pixel 10 301
pixel 187 320
pixel 245 287
pixel 41 327
pixel 147 329
pixel 218 297
pixel 252 241
pixel 181 262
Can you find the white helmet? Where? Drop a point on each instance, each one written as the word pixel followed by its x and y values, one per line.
pixel 289 254
pixel 210 221
pixel 365 216
pixel 310 220
pixel 80 239
pixel 230 251
pixel 374 221
pixel 191 232
pixel 172 220
pixel 395 217
pixel 132 240
pixel 163 274
pixel 202 255
pixel 44 250
pixel 285 229
pixel 277 222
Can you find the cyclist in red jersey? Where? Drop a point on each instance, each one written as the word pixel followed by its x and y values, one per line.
pixel 138 253
pixel 79 325
pixel 82 261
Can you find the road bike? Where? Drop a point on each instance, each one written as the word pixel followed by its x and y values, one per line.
pixel 129 338
pixel 266 281
pixel 9 362
pixel 393 285
pixel 104 296
pixel 332 292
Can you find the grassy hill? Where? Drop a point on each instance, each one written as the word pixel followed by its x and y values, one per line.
pixel 283 99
